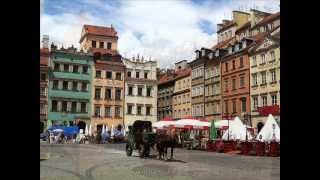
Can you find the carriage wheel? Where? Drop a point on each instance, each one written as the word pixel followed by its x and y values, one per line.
pixel 129 150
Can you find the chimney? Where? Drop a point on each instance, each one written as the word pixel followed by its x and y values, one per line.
pixel 45 41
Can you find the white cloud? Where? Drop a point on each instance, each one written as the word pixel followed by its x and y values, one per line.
pixel 168 30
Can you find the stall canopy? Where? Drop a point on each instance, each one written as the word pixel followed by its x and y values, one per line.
pixel 164 123
pixel 237 131
pixel 270 131
pixel 192 124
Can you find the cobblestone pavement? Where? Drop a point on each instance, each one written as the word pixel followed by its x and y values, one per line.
pixel 109 161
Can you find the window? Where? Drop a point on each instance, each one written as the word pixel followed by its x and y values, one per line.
pixel 74 107
pixel 75 69
pixel 118 76
pixel 55 84
pixel 98 74
pixel 139 110
pixel 137 75
pixel 43 91
pixel 264 101
pixel 83 107
pixel 108 93
pixel 233 84
pixel 97 111
pixel 129 109
pixel 226 67
pixel 139 91
pixel 54 105
pixel 117 111
pixel 109 45
pixel 85 69
pixel 56 67
pixel 234 106
pixel 109 75
pixel 146 75
pixel 74 85
pixel 97 93
pixel 66 68
pixel 254 61
pixel 263 78
pixel 241 62
pixel 244 104
pixel 242 81
pixel 101 44
pixel 118 94
pixel 255 103
pixel 233 65
pixel 65 85
pixel 226 110
pixel 254 79
pixel 107 111
pixel 226 85
pixel 263 59
pixel 94 44
pixel 273 57
pixel 64 106
pixel 130 91
pixel 149 91
pixel 273 76
pixel 274 99
pixel 84 86
pixel 129 73
pixel 43 76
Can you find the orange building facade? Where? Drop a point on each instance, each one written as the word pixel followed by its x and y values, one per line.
pixel 235 81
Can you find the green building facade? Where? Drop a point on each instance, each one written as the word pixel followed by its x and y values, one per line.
pixel 70 92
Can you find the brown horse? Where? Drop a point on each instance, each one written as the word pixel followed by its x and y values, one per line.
pixel 166 139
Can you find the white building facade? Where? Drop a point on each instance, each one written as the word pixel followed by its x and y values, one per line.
pixel 140 91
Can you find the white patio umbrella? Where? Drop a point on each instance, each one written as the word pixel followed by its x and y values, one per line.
pixel 103 129
pixel 270 131
pixel 106 128
pixel 221 123
pixel 236 131
pixel 112 131
pixel 89 132
pixel 87 129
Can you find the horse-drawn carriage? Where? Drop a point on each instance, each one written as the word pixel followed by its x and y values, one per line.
pixel 141 138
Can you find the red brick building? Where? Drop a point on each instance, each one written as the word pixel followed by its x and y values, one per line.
pixel 235 80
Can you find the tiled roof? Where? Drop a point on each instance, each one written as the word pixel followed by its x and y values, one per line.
pixel 223 43
pixel 183 73
pixel 226 26
pixel 166 78
pixel 268 19
pixel 99 30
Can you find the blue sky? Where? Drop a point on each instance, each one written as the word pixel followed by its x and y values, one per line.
pixel 167 30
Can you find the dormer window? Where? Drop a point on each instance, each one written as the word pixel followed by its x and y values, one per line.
pixel 230 50
pixel 217 53
pixel 197 54
pixel 203 52
pixel 211 55
pixel 237 47
pixel 244 44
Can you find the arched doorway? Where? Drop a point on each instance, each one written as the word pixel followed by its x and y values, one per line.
pixel 41 127
pixel 259 126
pixel 82 125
